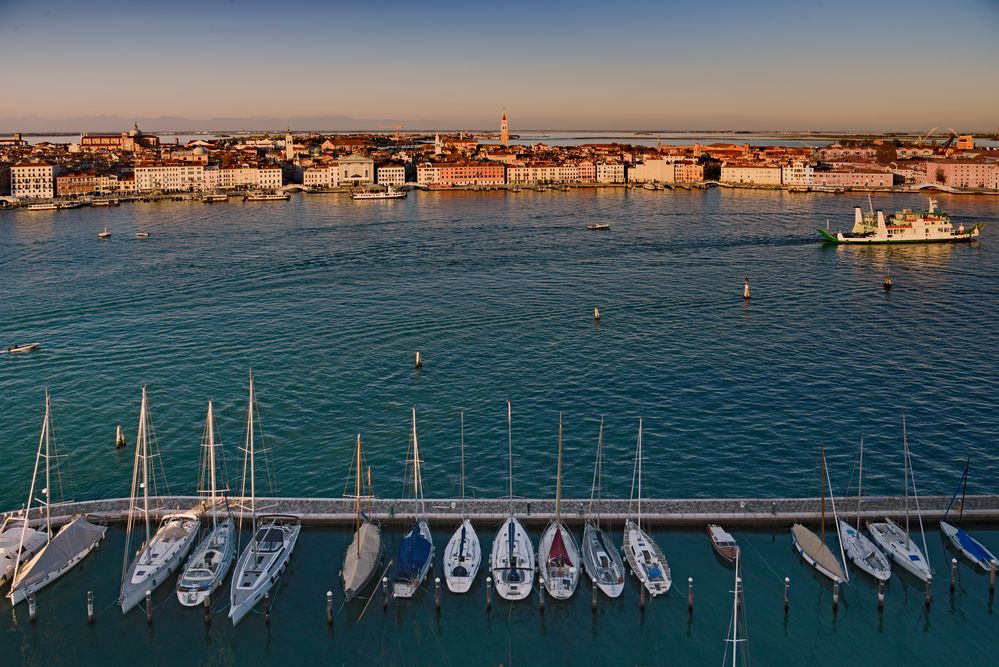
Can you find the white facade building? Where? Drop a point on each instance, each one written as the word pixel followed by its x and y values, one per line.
pixel 610 172
pixel 652 171
pixel 356 169
pixel 799 172
pixel 167 177
pixel 543 173
pixel 321 176
pixel 243 176
pixel 428 174
pixel 391 174
pixel 33 180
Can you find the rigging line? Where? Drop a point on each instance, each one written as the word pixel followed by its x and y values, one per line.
pixel 380 578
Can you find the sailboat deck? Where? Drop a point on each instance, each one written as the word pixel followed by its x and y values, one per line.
pixel 758 512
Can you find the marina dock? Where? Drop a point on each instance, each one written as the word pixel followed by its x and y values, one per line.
pixel 687 512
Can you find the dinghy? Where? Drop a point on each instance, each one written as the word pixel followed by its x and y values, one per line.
pixel 265 558
pixel 512 561
pixel 162 552
pixel 646 559
pixel 557 550
pixel 463 554
pixel 210 561
pixel 18 349
pixel 601 559
pixel 416 550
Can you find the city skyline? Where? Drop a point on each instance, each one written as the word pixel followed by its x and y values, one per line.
pixel 447 65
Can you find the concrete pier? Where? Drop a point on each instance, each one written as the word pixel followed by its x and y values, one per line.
pixel 690 512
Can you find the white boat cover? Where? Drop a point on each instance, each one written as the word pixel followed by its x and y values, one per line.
pixel 362 557
pixel 75 538
pixel 818 551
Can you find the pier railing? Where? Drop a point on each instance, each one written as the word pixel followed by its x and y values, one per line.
pixel 761 512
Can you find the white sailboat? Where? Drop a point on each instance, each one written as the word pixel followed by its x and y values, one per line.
pixel 463 554
pixel 895 541
pixel 161 553
pixel 646 559
pixel 558 554
pixel 210 561
pixel 364 554
pixel 601 559
pixel 60 552
pixel 416 549
pixel 264 559
pixel 512 560
pixel 959 538
pixel 858 546
pixel 812 547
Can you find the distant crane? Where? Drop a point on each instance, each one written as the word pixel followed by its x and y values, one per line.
pixel 920 140
pixel 397 129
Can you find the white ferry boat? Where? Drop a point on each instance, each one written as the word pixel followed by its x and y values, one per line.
pixel 49 206
pixel 906 226
pixel 267 196
pixel 390 193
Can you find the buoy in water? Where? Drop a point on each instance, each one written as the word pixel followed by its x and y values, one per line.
pixel 745 289
pixel 887 283
pixel 596 314
pixel 119 438
pixel 419 360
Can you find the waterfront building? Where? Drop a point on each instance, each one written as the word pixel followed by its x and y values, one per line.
pixel 965 142
pixel 688 171
pixel 322 176
pixel 169 176
pixel 458 174
pixel 544 173
pixel 243 176
pixel 755 173
pixel 975 173
pixel 461 144
pixel 587 171
pixel 391 173
pixel 15 140
pixel 799 173
pixel 129 142
pixel 33 180
pixel 504 132
pixel 77 183
pixel 356 169
pixel 610 172
pixel 846 178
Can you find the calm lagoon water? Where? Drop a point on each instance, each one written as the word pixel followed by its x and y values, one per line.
pixel 328 300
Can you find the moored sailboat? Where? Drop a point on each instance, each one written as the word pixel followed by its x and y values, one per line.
pixel 416 549
pixel 646 559
pixel 364 553
pixel 972 549
pixel 812 547
pixel 512 560
pixel 265 558
pixel 35 567
pixel 210 561
pixel 601 559
pixel 858 546
pixel 558 554
pixel 162 552
pixel 895 541
pixel 463 554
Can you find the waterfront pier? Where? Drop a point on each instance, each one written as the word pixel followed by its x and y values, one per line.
pixel 667 512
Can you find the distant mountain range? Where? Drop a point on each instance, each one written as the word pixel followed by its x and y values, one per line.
pixel 39 124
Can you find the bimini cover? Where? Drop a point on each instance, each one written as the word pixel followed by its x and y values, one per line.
pixel 76 537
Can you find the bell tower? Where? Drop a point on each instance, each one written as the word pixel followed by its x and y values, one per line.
pixel 504 131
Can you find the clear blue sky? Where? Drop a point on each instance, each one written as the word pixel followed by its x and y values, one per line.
pixel 797 64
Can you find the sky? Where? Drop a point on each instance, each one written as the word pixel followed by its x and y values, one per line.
pixel 722 64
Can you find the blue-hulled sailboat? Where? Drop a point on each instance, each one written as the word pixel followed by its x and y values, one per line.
pixel 416 550
pixel 972 549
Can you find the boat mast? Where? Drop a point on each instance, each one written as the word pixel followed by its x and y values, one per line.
pixel 639 473
pixel 464 507
pixel 595 489
pixel 839 536
pixel 47 491
pixel 905 481
pixel 964 491
pixel 357 489
pixel 509 444
pixel 248 450
pixel 144 449
pixel 823 492
pixel 558 476
pixel 417 480
pixel 42 439
pixel 211 460
pixel 860 480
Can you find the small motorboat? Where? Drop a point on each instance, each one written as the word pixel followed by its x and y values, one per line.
pixel 887 283
pixel 104 234
pixel 142 235
pixel 598 227
pixel 15 349
pixel 723 542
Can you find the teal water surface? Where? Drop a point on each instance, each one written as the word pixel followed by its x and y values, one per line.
pixel 328 300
